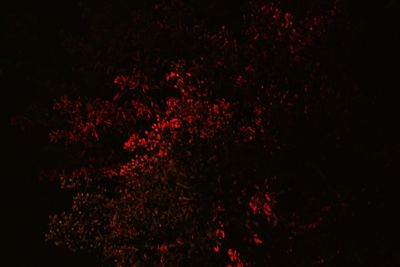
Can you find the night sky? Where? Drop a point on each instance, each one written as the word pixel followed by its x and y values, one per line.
pixel 37 68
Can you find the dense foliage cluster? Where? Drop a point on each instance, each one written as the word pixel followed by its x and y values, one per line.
pixel 182 163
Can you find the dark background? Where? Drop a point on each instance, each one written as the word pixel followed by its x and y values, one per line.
pixel 34 59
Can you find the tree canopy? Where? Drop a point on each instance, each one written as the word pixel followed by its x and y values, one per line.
pixel 194 134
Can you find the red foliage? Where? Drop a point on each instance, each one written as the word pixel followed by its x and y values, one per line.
pixel 148 198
